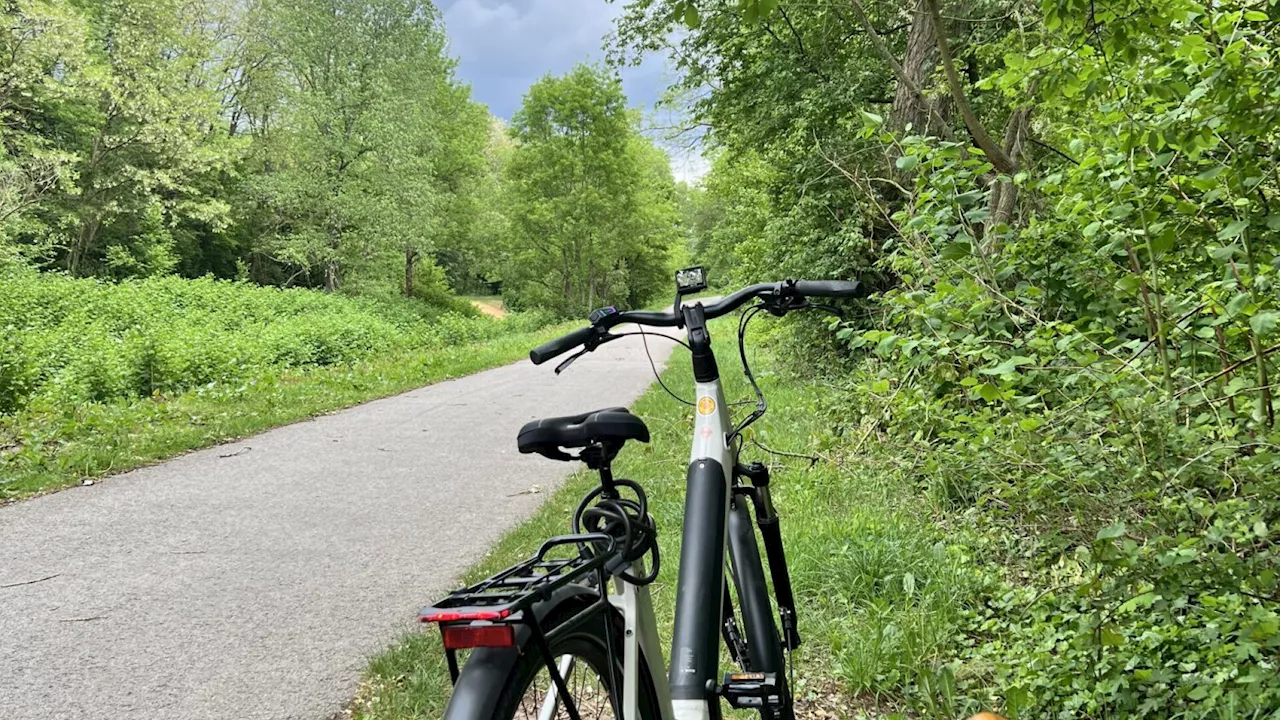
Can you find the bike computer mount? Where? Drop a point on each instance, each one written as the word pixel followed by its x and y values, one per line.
pixel 690 280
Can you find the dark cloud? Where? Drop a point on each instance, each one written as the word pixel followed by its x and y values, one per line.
pixel 503 47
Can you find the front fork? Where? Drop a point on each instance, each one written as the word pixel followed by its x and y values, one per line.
pixel 742 540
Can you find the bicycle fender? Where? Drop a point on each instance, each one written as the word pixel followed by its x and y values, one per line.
pixel 480 684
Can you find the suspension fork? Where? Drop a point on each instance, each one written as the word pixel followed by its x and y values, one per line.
pixel 770 532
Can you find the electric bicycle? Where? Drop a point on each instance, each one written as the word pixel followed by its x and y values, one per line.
pixel 570 632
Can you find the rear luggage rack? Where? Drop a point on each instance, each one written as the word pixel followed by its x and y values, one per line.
pixel 506 595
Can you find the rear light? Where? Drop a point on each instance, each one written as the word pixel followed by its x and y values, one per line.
pixel 439 617
pixel 461 637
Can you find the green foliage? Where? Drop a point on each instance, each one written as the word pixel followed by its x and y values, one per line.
pixel 1071 356
pixel 592 204
pixel 69 342
pixel 324 143
pixel 46 448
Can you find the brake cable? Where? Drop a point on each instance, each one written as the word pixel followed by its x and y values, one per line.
pixel 761 405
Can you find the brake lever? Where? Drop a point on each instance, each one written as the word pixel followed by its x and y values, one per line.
pixel 564 364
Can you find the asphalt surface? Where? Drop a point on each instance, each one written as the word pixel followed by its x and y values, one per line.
pixel 253 579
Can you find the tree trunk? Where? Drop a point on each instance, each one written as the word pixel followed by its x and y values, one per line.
pixel 410 257
pixel 996 154
pixel 1005 194
pixel 331 280
pixel 918 62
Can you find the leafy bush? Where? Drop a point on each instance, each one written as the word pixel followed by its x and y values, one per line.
pixel 1090 389
pixel 70 341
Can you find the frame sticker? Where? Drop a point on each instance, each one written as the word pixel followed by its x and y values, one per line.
pixel 706 405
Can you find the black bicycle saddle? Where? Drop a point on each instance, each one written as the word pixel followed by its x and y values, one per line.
pixel 610 426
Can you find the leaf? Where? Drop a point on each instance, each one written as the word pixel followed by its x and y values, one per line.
pixel 1264 323
pixel 1237 304
pixel 956 250
pixel 1225 252
pixel 1008 366
pixel 988 392
pixel 1255 16
pixel 1092 228
pixel 906 162
pixel 1111 637
pixel 1233 230
pixel 1030 424
pixel 1111 532
pixel 691 18
pixel 872 119
pixel 880 386
pixel 909 583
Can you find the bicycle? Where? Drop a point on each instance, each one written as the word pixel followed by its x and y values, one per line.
pixel 570 632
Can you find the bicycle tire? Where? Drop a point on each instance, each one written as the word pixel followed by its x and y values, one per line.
pixel 758 624
pixel 587 644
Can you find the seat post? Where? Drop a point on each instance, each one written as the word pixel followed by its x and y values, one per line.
pixel 599 457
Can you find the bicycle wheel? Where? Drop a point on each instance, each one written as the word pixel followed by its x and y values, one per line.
pixel 583 658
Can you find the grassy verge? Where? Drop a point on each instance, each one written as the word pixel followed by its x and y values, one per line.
pixel 50 447
pixel 878 590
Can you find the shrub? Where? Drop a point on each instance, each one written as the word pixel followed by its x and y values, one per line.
pixel 70 341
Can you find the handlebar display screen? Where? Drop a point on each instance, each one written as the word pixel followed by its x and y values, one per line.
pixel 691 280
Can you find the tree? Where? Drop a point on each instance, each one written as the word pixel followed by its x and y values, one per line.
pixel 591 202
pixel 108 108
pixel 349 174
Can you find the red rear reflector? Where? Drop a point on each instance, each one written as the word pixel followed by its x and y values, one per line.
pixel 456 616
pixel 460 637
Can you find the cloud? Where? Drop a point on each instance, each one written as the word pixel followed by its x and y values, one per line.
pixel 504 46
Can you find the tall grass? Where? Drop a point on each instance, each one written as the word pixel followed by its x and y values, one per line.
pixel 97 378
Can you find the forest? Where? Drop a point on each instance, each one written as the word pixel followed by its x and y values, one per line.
pixel 1067 213
pixel 170 166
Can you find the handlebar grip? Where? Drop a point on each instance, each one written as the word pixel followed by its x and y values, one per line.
pixel 561 345
pixel 828 288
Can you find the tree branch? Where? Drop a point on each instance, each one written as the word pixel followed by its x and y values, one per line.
pixel 883 51
pixel 996 154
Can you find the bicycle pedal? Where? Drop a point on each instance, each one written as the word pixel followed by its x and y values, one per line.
pixel 751 690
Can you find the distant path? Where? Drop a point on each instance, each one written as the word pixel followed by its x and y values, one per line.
pixel 252 580
pixel 492 308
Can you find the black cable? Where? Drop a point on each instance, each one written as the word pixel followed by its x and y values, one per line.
pixel 644 336
pixel 761 405
pixel 628 522
pixel 672 338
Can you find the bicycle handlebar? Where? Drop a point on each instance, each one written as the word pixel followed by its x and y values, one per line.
pixel 724 306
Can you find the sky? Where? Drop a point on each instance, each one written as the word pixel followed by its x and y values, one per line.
pixel 504 46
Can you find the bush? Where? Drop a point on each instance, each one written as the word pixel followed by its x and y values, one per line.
pixel 69 341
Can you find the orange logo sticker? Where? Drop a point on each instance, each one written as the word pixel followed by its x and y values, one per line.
pixel 706 405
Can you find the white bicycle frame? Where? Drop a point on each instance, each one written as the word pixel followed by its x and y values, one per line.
pixel 710 442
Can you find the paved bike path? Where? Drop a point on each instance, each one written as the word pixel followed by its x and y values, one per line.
pixel 252 580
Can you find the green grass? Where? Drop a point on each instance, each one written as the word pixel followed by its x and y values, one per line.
pixel 879 593
pixel 48 446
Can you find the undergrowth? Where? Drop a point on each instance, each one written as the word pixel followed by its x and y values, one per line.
pixel 97 378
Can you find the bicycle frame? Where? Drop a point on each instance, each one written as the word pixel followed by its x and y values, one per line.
pixel 695 647
pixel 718 530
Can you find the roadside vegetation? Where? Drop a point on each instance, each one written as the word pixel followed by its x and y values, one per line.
pixel 99 377
pixel 216 216
pixel 1069 216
